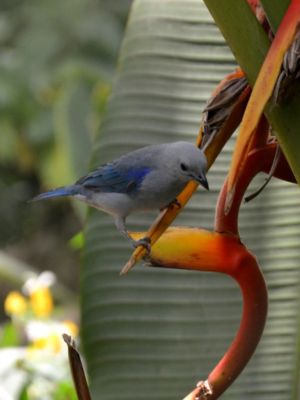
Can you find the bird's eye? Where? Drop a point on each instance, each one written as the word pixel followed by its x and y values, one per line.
pixel 183 167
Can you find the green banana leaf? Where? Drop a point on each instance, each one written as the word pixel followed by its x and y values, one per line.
pixel 152 334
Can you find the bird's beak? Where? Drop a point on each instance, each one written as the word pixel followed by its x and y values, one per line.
pixel 202 180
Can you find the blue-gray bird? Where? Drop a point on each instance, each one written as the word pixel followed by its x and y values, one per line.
pixel 145 179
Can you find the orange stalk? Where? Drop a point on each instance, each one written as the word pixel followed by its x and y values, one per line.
pixel 78 375
pixel 262 91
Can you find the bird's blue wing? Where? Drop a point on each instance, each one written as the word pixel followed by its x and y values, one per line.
pixel 111 179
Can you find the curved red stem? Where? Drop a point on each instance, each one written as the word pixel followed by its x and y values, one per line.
pixel 247 275
pixel 255 305
pixel 222 253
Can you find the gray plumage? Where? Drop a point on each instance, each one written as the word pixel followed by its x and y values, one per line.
pixel 145 179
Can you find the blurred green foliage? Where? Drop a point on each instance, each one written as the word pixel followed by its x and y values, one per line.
pixel 9 335
pixel 57 60
pixel 56 67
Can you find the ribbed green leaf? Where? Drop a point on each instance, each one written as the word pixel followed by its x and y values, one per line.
pixel 153 334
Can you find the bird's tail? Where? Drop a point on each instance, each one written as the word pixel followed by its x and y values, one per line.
pixel 59 192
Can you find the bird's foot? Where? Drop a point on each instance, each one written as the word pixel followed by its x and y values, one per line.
pixel 145 242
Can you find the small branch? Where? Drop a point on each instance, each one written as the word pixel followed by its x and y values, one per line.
pixel 77 370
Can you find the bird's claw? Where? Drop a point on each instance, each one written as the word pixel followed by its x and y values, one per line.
pixel 145 242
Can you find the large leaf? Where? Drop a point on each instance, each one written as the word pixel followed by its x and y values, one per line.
pixel 154 333
pixel 239 29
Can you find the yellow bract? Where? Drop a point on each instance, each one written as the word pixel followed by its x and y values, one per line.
pixel 15 304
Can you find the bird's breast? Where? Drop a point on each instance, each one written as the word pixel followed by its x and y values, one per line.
pixel 158 191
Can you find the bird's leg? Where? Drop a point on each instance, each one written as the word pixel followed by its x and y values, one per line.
pixel 145 242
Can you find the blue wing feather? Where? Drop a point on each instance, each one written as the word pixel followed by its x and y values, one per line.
pixel 109 178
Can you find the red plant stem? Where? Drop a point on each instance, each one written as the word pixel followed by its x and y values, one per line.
pixel 255 305
pixel 258 160
pixel 216 252
pixel 248 276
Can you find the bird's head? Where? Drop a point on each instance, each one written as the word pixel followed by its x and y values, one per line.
pixel 191 164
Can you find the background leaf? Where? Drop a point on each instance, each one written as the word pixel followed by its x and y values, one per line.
pixel 9 336
pixel 56 69
pixel 153 334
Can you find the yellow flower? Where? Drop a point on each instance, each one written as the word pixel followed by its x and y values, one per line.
pixel 71 327
pixel 41 301
pixel 15 304
pixel 52 343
